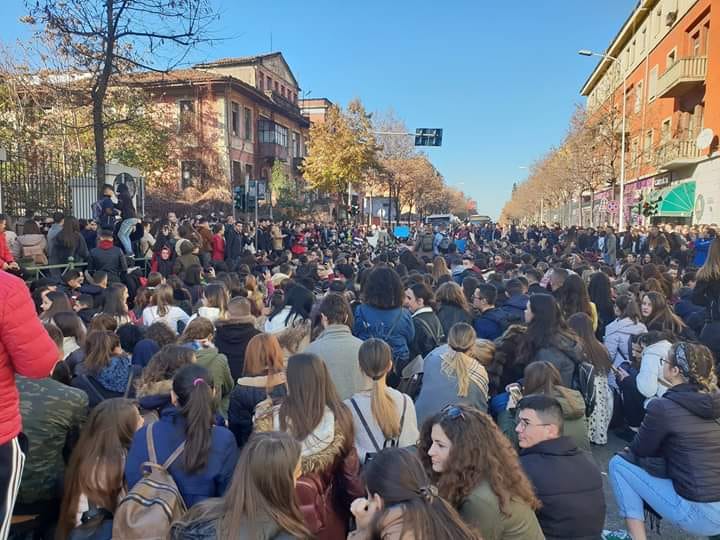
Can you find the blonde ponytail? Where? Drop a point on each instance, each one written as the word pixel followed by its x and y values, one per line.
pixel 375 359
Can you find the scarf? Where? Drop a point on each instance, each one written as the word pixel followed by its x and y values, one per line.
pixel 466 370
pixel 115 375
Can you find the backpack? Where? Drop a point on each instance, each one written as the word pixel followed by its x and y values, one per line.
pixel 388 443
pixel 583 381
pixel 151 506
pixel 427 242
pixel 444 243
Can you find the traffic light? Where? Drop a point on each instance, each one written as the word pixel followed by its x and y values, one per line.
pixel 428 137
pixel 240 197
pixel 354 206
pixel 650 208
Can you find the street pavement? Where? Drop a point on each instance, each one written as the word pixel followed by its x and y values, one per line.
pixel 613 521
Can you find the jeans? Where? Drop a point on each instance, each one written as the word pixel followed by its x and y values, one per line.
pixel 632 485
pixel 126 228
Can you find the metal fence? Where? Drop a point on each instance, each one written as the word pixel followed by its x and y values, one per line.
pixel 35 183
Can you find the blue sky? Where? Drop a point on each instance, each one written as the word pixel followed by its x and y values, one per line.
pixel 501 78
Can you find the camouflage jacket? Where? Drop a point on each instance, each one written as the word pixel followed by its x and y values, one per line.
pixel 51 411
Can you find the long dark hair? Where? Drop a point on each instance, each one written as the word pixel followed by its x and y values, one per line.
pixel 595 351
pixel 599 290
pixel 114 302
pixel 628 308
pixel 547 322
pixel 69 235
pixel 396 475
pixel 573 296
pixel 193 386
pixel 300 300
pixel 383 289
pixel 96 464
pixel 662 317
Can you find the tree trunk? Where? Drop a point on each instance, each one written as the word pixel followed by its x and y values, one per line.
pixel 99 139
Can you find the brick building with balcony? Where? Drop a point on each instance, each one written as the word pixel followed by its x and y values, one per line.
pixel 229 120
pixel 670 61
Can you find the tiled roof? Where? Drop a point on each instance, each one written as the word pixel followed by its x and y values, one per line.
pixel 236 60
pixel 176 75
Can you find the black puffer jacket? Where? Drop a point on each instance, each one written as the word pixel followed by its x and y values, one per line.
pixel 570 488
pixel 429 333
pixel 683 426
pixel 231 339
pixel 243 399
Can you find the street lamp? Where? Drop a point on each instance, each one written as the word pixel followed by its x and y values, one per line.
pixel 621 204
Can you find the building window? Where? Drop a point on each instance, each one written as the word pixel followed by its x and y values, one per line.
pixel 188 174
pixel 272 133
pixel 186 115
pixel 696 44
pixel 647 147
pixel 652 83
pixel 643 39
pixel 634 150
pixel 296 144
pixel 248 124
pixel 248 171
pixel 268 83
pixel 658 21
pixel 665 130
pixel 235 119
pixel 638 96
pixel 671 58
pixel 260 81
pixel 277 86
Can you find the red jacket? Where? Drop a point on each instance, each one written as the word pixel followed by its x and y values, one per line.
pixel 5 254
pixel 25 349
pixel 218 248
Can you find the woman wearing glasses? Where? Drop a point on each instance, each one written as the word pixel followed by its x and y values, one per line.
pixel 672 463
pixel 476 469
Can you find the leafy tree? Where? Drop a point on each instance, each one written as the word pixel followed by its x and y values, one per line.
pixel 341 150
pixel 106 39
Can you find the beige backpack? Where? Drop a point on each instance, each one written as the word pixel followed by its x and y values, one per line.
pixel 151 506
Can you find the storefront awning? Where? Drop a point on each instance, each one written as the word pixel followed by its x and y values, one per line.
pixel 678 200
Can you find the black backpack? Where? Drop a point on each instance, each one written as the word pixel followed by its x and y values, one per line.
pixel 584 382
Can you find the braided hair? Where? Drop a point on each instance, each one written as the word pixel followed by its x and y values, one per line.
pixel 696 364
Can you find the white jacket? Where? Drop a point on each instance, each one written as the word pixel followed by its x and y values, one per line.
pixel 617 335
pixel 650 375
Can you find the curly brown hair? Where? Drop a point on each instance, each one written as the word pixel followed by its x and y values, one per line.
pixel 479 452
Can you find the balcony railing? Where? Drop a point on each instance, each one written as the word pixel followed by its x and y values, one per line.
pixel 677 153
pixel 683 75
pixel 273 151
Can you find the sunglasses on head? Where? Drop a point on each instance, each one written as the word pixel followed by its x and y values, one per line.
pixel 452 412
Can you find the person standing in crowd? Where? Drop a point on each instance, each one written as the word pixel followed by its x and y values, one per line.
pixel 672 465
pixel 210 453
pixel 402 503
pixel 336 345
pixel 128 218
pixel 476 470
pixel 58 219
pixel 566 481
pixel 706 293
pixel 218 243
pixel 260 500
pixel 26 349
pixel 382 416
pixel 108 258
pixel 455 373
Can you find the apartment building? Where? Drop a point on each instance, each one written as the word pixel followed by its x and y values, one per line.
pixel 229 120
pixel 669 59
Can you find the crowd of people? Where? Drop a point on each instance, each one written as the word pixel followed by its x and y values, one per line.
pixel 330 381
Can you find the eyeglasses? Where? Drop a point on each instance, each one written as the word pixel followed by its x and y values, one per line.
pixel 523 424
pixel 453 412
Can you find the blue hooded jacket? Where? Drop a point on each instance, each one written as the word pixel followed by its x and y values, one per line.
pixel 491 324
pixel 371 322
pixel 168 434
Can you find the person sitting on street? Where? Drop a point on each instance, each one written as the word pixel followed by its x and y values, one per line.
pixel 566 481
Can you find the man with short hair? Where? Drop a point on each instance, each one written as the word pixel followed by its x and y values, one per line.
pixel 567 483
pixel 108 258
pixel 514 307
pixel 492 321
pixel 557 279
pixel 336 345
pixel 104 211
pixel 534 277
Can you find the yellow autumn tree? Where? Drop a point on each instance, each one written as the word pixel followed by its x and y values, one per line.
pixel 342 150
